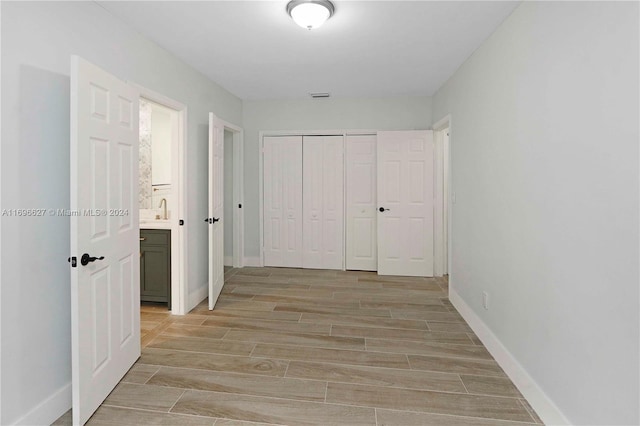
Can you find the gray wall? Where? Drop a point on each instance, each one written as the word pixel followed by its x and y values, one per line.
pixel 37 42
pixel 545 170
pixel 401 113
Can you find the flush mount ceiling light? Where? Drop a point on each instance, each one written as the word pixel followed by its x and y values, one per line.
pixel 310 14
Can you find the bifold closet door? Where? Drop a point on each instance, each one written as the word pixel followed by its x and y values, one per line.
pixel 405 203
pixel 361 243
pixel 323 202
pixel 282 179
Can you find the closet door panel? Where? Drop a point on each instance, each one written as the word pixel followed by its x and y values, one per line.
pixel 323 168
pixel 283 201
pixel 361 243
pixel 333 206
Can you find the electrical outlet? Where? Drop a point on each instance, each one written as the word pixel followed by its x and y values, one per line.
pixel 485 300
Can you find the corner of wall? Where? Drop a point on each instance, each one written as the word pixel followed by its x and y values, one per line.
pixel 541 403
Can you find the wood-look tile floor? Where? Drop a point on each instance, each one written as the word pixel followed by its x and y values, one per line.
pixel 314 347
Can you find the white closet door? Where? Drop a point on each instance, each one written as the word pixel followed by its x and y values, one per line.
pixel 361 244
pixel 283 201
pixel 323 205
pixel 405 194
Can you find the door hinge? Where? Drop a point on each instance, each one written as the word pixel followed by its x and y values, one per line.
pixel 181 222
pixel 73 260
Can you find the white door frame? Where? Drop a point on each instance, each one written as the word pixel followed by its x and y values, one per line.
pixel 179 276
pixel 238 192
pixel 439 196
pixel 303 133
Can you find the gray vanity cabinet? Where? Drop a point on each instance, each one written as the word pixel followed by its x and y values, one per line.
pixel 155 265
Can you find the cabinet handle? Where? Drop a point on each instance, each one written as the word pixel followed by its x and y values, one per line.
pixel 142 238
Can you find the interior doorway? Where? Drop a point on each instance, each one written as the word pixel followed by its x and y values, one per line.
pixel 233 219
pixel 162 199
pixel 442 202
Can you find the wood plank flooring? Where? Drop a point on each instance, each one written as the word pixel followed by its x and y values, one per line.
pixel 315 347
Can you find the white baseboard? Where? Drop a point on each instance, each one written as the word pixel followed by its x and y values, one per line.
pixel 228 261
pixel 198 296
pixel 49 410
pixel 252 261
pixel 549 413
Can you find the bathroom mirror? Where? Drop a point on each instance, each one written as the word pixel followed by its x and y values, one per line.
pixel 156 132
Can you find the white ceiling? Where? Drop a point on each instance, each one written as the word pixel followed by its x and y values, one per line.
pixel 368 48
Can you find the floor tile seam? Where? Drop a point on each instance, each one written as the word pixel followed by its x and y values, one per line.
pixel 203 352
pixel 179 398
pixel 241 327
pixel 371 325
pixel 458 415
pixel 146 410
pixel 236 391
pixel 407 339
pixel 338 404
pixel 370 351
pixel 232 373
pixel 430 412
pixel 387 369
pixel 150 377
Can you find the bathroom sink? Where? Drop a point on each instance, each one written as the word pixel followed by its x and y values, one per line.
pixel 155 224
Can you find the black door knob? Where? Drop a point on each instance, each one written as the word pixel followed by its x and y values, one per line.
pixel 215 220
pixel 86 259
pixel 382 209
pixel 207 220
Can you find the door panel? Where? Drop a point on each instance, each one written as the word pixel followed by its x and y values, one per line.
pixel 105 293
pixel 405 190
pixel 282 201
pixel 361 244
pixel 323 202
pixel 216 209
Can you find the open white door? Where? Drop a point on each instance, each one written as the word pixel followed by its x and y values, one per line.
pixel 105 272
pixel 405 203
pixel 362 244
pixel 216 209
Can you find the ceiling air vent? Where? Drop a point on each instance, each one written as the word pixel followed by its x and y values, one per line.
pixel 320 95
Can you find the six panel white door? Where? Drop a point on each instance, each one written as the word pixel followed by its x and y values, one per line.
pixel 216 209
pixel 361 244
pixel 282 195
pixel 405 192
pixel 105 292
pixel 323 202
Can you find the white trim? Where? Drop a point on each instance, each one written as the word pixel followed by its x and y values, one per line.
pixel 198 296
pixel 179 276
pixel 238 193
pixel 50 409
pixel 252 261
pixel 228 261
pixel 544 406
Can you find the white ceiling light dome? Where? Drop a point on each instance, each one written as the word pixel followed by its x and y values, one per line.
pixel 310 14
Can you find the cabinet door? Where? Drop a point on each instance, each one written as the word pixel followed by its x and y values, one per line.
pixel 361 243
pixel 155 266
pixel 323 202
pixel 282 201
pixel 156 274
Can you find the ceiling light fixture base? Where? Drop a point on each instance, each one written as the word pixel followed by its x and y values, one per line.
pixel 310 14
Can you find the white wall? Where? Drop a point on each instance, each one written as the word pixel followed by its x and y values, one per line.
pixel 401 113
pixel 37 41
pixel 545 170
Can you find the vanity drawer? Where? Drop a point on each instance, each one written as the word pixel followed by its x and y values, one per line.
pixel 154 236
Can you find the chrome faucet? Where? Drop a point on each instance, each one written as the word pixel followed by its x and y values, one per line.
pixel 164 200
